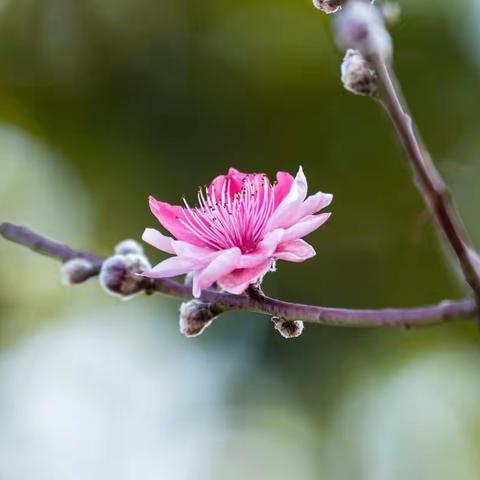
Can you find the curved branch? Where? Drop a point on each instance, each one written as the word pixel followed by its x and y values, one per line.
pixel 427 178
pixel 255 301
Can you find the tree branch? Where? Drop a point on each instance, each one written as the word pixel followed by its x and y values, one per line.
pixel 426 176
pixel 446 311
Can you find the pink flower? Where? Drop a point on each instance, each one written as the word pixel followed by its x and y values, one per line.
pixel 241 226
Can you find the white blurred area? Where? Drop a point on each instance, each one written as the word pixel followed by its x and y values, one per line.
pixel 420 420
pixel 113 392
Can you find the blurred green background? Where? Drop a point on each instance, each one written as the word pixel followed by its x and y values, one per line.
pixel 103 102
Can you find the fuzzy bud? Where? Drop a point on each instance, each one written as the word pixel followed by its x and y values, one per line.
pixel 196 316
pixel 119 274
pixel 328 6
pixel 357 74
pixel 288 328
pixel 77 270
pixel 361 26
pixel 128 246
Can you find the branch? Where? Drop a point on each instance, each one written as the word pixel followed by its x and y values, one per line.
pixel 426 176
pixel 446 311
pixel 361 27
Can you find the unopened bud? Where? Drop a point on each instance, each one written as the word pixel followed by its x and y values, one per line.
pixel 357 74
pixel 77 270
pixel 328 6
pixel 119 274
pixel 288 328
pixel 128 246
pixel 196 316
pixel 361 26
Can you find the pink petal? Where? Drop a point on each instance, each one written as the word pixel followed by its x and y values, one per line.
pixel 290 203
pixel 295 251
pixel 173 266
pixel 158 240
pixel 315 203
pixel 217 268
pixel 306 226
pixel 238 281
pixel 236 183
pixel 185 249
pixel 169 215
pixel 264 250
pixel 236 179
pixel 283 186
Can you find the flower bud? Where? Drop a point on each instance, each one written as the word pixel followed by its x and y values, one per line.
pixel 129 246
pixel 288 328
pixel 328 6
pixel 361 26
pixel 357 75
pixel 196 316
pixel 119 274
pixel 77 270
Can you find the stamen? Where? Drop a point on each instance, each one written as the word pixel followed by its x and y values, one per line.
pixel 236 218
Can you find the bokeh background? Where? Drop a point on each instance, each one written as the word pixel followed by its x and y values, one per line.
pixel 103 102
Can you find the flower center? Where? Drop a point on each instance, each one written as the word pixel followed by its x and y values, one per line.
pixel 231 218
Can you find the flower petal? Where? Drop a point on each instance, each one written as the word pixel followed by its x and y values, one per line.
pixel 306 226
pixel 173 266
pixel 295 251
pixel 281 216
pixel 158 240
pixel 217 268
pixel 264 250
pixel 185 249
pixel 238 281
pixel 283 186
pixel 314 203
pixel 169 215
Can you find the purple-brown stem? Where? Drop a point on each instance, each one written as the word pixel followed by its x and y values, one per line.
pixel 426 176
pixel 256 301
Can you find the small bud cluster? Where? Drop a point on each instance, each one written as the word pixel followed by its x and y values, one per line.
pixel 288 328
pixel 128 246
pixel 119 275
pixel 77 270
pixel 360 26
pixel 328 6
pixel 357 74
pixel 196 316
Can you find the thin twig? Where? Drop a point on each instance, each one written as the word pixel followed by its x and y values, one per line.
pixel 426 176
pixel 256 301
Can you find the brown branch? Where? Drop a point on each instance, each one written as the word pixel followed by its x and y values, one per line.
pixel 426 176
pixel 256 301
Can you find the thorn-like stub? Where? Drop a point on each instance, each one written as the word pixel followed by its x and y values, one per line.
pixel 360 26
pixel 357 74
pixel 128 246
pixel 196 316
pixel 328 6
pixel 120 277
pixel 77 270
pixel 288 328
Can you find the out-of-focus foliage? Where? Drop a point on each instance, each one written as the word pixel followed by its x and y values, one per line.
pixel 103 102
